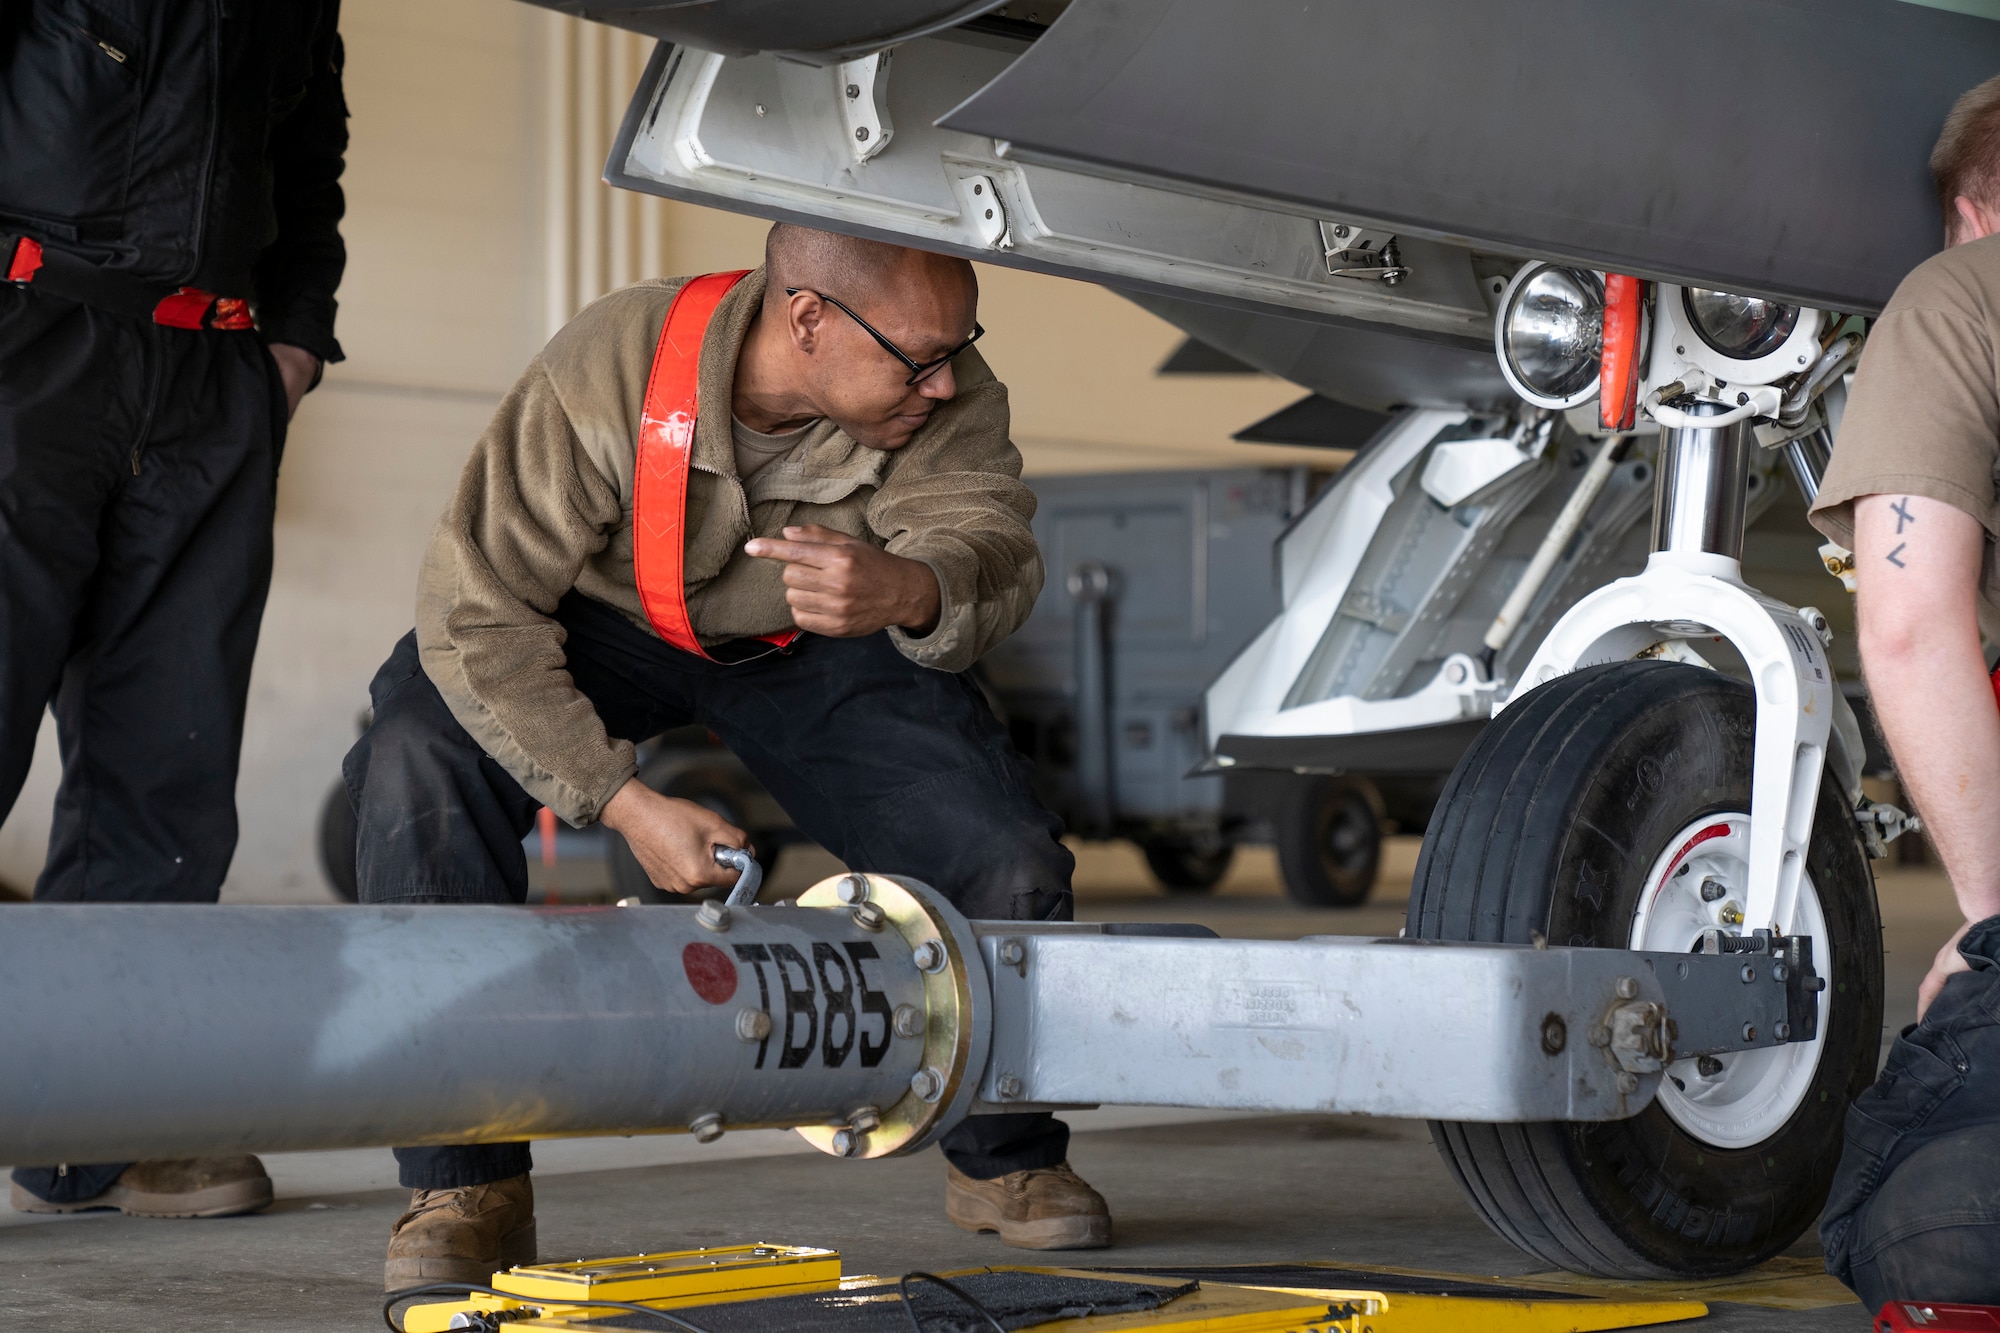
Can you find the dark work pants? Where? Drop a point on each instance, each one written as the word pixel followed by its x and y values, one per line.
pixel 138 466
pixel 1914 1214
pixel 892 767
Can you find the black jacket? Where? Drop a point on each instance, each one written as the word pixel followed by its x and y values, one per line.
pixel 182 143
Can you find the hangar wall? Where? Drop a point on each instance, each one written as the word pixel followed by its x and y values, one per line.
pixel 478 128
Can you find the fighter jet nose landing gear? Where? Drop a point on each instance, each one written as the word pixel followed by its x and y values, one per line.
pixel 1626 802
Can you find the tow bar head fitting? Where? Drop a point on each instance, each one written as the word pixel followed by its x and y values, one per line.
pixel 955 1024
pixel 1746 992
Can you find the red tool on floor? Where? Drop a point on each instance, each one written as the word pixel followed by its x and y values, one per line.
pixel 1937 1317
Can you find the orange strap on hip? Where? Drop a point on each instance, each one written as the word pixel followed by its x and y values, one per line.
pixel 666 456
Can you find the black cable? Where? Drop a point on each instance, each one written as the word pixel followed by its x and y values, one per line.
pixel 903 1289
pixel 396 1298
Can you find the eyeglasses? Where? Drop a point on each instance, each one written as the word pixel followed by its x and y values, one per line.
pixel 919 370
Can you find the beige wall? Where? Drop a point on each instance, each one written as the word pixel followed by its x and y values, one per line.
pixel 447 296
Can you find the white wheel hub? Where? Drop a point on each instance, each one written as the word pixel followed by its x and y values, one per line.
pixel 1700 883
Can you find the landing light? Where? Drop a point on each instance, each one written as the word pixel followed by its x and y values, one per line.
pixel 1550 333
pixel 1742 328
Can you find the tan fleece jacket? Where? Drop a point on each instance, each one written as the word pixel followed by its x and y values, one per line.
pixel 545 505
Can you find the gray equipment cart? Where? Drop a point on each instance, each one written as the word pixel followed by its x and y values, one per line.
pixel 1156 580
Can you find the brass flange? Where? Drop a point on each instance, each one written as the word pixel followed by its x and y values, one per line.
pixel 958 1023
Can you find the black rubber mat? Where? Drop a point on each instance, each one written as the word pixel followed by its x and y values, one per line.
pixel 1315 1275
pixel 1017 1300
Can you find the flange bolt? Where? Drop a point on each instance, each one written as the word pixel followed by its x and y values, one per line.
pixel 929 956
pixel 927 1083
pixel 864 1119
pixel 752 1024
pixel 713 916
pixel 1628 1082
pixel 1012 953
pixel 706 1128
pixel 1627 988
pixel 1555 1034
pixel 1600 1036
pixel 869 916
pixel 909 1021
pixel 1008 1087
pixel 852 889
pixel 845 1141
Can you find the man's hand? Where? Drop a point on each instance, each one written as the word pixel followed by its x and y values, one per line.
pixel 1948 961
pixel 296 366
pixel 673 839
pixel 844 588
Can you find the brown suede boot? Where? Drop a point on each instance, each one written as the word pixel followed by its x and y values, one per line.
pixel 181 1187
pixel 462 1235
pixel 1046 1209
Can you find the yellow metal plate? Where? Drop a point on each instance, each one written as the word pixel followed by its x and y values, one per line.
pixel 638 1277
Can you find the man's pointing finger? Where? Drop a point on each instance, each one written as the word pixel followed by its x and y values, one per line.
pixel 796 553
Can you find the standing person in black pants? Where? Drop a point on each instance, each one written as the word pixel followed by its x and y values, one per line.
pixel 169 243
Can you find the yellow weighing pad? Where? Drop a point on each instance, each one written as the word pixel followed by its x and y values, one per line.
pixel 803 1288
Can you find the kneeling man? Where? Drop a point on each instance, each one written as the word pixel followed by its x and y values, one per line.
pixel 783 505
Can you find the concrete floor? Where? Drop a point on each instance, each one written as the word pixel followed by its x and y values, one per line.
pixel 1185 1189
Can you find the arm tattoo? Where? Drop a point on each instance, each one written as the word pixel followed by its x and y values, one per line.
pixel 1904 518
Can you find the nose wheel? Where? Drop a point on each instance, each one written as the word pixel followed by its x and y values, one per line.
pixel 1607 809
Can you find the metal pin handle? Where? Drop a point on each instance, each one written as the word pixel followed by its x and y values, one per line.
pixel 749 875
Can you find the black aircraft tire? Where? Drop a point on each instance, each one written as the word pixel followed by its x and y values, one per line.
pixel 1329 842
pixel 1550 826
pixel 1185 867
pixel 338 829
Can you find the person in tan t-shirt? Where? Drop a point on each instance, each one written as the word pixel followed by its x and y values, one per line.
pixel 1912 489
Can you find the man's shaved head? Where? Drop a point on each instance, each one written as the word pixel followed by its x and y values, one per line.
pixel 866 340
pixel 852 269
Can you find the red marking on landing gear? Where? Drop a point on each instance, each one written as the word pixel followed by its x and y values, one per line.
pixel 710 971
pixel 1710 833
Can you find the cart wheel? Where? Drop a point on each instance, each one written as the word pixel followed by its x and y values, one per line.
pixel 628 877
pixel 1187 867
pixel 1591 813
pixel 337 830
pixel 1330 842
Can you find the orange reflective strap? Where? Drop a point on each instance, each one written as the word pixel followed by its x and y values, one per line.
pixel 666 456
